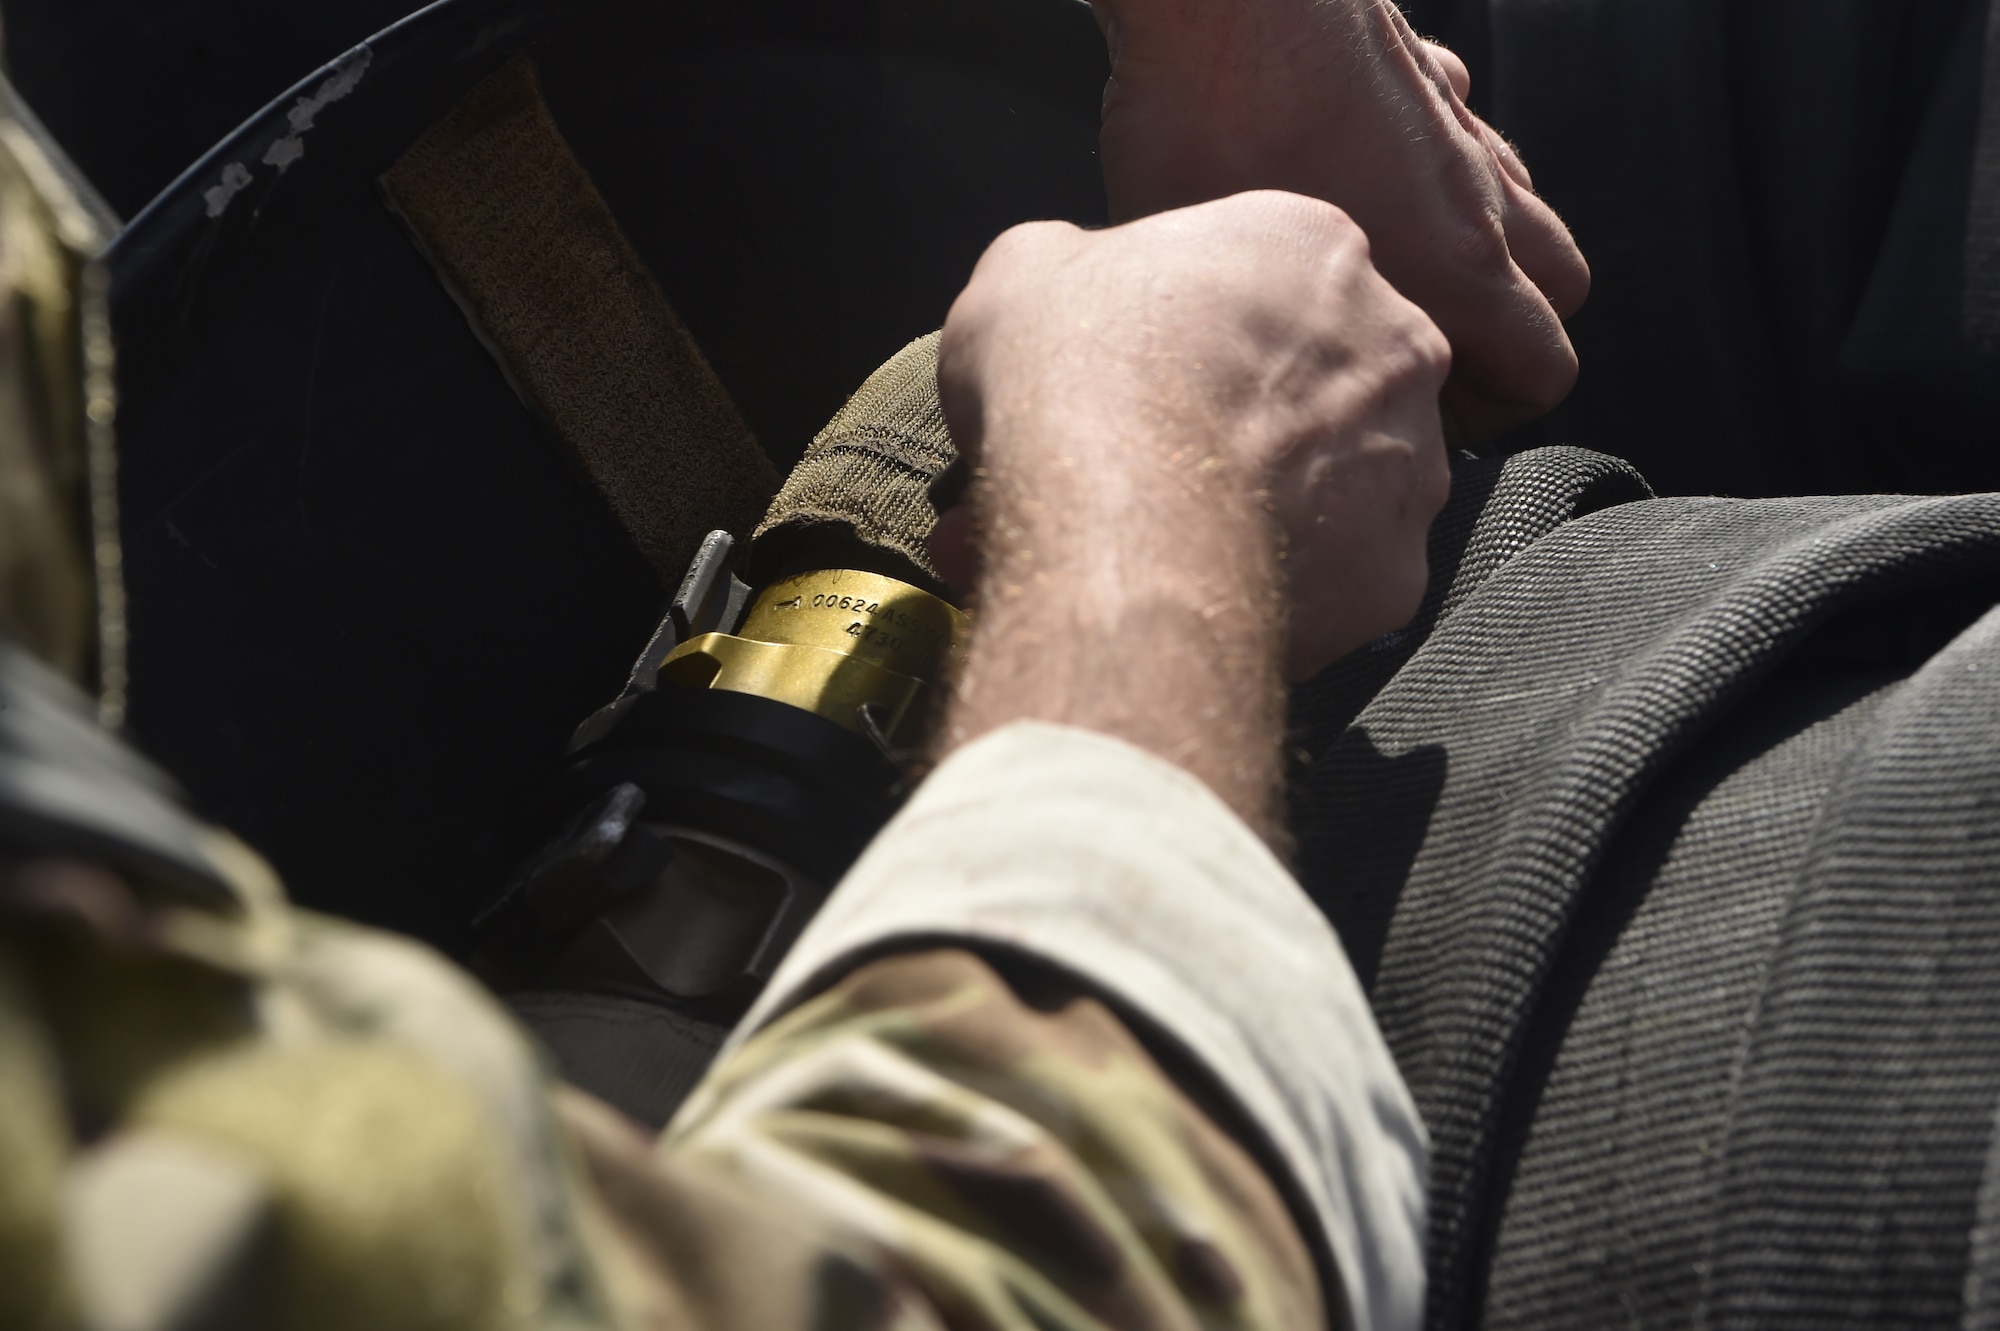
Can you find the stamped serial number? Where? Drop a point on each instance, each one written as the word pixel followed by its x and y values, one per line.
pixel 829 601
pixel 868 633
pixel 896 619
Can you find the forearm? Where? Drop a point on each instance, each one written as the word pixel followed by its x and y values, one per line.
pixel 1111 759
pixel 1143 605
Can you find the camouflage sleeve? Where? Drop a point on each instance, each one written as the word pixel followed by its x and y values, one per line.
pixel 987 1152
pixel 253 1116
pixel 943 1106
pixel 1092 859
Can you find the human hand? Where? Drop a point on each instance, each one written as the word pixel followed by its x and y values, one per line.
pixel 1134 396
pixel 1340 101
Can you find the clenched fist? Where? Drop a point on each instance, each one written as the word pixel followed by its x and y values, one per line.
pixel 1209 446
pixel 1124 391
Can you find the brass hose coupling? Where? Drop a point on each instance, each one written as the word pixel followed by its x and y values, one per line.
pixel 859 649
pixel 705 813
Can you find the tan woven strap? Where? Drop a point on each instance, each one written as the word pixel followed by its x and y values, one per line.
pixel 529 249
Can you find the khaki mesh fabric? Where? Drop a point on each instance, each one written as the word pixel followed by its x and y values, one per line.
pixel 530 250
pixel 860 497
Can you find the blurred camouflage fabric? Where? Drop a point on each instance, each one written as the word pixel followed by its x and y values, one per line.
pixel 1007 1149
pixel 257 1117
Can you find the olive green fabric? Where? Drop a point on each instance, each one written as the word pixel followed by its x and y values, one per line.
pixel 33 1144
pixel 350 1134
pixel 861 495
pixel 61 587
pixel 527 246
pixel 328 1129
pixel 1010 1147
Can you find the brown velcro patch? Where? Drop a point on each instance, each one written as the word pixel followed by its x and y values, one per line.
pixel 527 246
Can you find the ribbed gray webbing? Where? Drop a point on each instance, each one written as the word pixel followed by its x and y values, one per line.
pixel 1863 1114
pixel 1497 508
pixel 1470 808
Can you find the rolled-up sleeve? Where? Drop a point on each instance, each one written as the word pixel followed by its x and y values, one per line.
pixel 1087 855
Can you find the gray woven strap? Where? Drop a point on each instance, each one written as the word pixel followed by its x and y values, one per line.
pixel 1466 810
pixel 1604 1166
pixel 1497 509
pixel 1863 1115
pixel 1982 1279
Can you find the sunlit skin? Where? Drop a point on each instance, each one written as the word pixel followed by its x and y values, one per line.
pixel 1338 100
pixel 1176 421
pixel 1211 438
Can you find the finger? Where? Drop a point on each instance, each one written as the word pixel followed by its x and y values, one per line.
pixel 1106 14
pixel 1511 357
pixel 1454 70
pixel 1544 249
pixel 1507 370
pixel 1472 414
pixel 1512 360
pixel 1539 242
pixel 1504 153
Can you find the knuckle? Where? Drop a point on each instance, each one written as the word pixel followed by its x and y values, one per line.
pixel 1338 227
pixel 1475 234
pixel 967 319
pixel 1021 243
pixel 959 361
pixel 1432 349
pixel 1435 486
pixel 1557 378
pixel 1314 220
pixel 1479 241
pixel 1420 361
